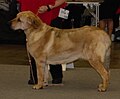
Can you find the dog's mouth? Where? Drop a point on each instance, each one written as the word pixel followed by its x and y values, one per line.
pixel 10 23
pixel 15 26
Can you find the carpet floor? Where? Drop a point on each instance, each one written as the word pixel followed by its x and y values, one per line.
pixel 79 83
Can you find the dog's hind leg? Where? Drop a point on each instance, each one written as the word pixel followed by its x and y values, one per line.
pixel 107 59
pixel 98 66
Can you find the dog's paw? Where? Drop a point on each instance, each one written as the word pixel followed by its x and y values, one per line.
pixel 102 88
pixel 37 86
pixel 45 84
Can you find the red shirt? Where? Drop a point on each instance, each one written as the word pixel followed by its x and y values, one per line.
pixel 33 5
pixel 118 11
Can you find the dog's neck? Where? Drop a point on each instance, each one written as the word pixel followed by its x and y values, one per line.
pixel 35 29
pixel 30 33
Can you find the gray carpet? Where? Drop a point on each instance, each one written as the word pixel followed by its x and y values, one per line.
pixel 79 83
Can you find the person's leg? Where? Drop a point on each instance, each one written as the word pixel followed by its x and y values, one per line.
pixel 109 24
pixel 56 73
pixel 110 27
pixel 102 24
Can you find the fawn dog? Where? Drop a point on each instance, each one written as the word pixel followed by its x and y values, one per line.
pixel 50 45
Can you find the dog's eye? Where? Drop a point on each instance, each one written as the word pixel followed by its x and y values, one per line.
pixel 19 20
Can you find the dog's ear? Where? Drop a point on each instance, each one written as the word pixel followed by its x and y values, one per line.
pixel 35 21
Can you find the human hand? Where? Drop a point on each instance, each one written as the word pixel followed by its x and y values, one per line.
pixel 42 9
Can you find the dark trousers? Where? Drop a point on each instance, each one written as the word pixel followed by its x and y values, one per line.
pixel 56 71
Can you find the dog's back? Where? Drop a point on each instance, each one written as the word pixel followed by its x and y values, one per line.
pixel 84 42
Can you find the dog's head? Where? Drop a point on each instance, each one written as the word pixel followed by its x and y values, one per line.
pixel 26 20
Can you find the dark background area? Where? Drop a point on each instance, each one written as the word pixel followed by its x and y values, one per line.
pixel 7 35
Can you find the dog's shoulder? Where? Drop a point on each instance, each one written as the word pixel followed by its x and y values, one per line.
pixel 57 32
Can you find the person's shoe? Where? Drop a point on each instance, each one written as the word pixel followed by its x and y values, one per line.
pixel 31 82
pixel 57 81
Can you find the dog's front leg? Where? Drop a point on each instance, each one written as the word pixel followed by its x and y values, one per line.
pixel 40 76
